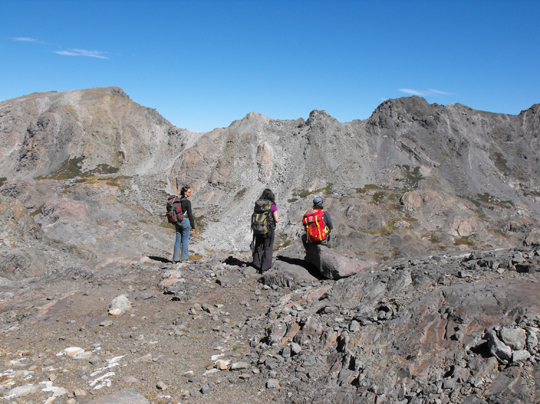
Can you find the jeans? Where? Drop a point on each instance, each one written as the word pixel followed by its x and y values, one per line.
pixel 182 240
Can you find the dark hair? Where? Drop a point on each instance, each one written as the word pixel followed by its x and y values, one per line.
pixel 269 195
pixel 184 189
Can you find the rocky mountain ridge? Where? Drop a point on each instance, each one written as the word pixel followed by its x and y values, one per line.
pixel 412 179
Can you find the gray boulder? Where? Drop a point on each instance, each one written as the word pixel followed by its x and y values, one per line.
pixel 513 337
pixel 332 265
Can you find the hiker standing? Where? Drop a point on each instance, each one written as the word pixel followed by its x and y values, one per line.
pixel 318 224
pixel 263 224
pixel 184 227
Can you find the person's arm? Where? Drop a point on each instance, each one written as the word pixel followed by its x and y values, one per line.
pixel 275 215
pixel 190 214
pixel 328 220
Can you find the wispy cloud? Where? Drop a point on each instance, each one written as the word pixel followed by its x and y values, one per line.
pixel 82 52
pixel 440 92
pixel 411 91
pixel 423 93
pixel 24 39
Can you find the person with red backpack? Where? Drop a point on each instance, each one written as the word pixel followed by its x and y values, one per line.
pixel 184 226
pixel 317 224
pixel 263 225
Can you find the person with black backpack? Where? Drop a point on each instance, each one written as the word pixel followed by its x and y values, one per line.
pixel 263 224
pixel 183 226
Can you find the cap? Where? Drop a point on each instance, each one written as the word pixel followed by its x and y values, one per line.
pixel 317 200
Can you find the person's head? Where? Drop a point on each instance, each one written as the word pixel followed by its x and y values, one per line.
pixel 269 195
pixel 317 202
pixel 186 191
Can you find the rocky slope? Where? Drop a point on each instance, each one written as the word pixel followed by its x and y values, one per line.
pixel 444 329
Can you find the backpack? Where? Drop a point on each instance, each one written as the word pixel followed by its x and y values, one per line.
pixel 260 220
pixel 314 225
pixel 174 210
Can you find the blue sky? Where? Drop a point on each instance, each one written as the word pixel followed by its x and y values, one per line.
pixel 203 64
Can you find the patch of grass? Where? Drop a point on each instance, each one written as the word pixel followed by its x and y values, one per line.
pixel 328 190
pixel 434 239
pixel 487 198
pixel 103 169
pixel 292 200
pixel 37 211
pixel 240 194
pixel 72 168
pixel 464 241
pixel 237 347
pixel 377 198
pixel 368 187
pixel 500 163
pixel 282 241
pixel 411 176
pixel 69 169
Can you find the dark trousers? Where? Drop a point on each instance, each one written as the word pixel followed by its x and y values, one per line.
pixel 325 242
pixel 262 253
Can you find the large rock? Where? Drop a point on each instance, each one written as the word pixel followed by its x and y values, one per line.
pixel 287 272
pixel 25 250
pixel 332 265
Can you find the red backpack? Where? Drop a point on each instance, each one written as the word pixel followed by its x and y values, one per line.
pixel 314 224
pixel 174 210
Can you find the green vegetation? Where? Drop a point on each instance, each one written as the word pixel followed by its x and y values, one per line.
pixel 412 177
pixel 292 200
pixel 485 198
pixel 240 194
pixel 434 239
pixel 500 163
pixel 377 198
pixel 72 168
pixel 281 241
pixel 69 169
pixel 37 211
pixel 464 241
pixel 328 190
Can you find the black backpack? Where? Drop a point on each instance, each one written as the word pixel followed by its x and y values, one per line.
pixel 261 221
pixel 174 210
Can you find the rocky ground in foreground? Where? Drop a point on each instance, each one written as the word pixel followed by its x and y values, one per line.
pixel 440 329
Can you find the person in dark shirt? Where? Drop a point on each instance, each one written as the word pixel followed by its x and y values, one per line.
pixel 186 226
pixel 264 245
pixel 318 204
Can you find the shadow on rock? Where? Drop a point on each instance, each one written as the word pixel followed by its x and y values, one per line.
pixel 159 259
pixel 235 261
pixel 301 263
